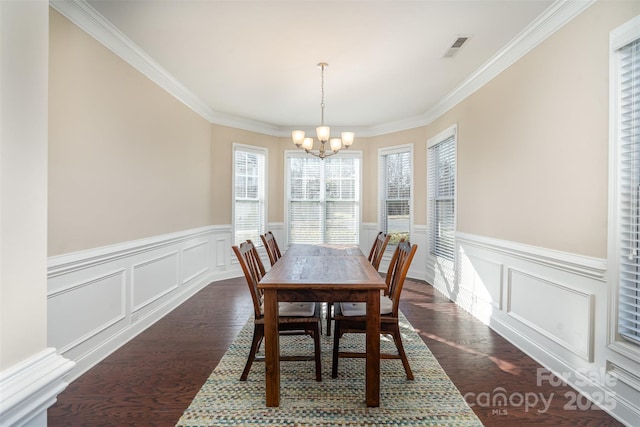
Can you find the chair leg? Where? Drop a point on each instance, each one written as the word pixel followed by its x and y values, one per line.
pixel 336 344
pixel 258 334
pixel 329 306
pixel 397 338
pixel 317 350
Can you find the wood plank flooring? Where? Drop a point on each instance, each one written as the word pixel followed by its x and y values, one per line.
pixel 152 379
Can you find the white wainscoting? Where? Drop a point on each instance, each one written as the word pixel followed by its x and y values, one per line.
pixel 552 305
pixel 101 298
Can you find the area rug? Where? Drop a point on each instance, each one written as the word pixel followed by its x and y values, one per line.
pixel 431 399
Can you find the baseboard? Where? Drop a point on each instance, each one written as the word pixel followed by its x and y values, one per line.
pixel 31 387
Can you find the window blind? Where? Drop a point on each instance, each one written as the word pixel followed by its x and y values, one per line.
pixel 249 194
pixel 441 198
pixel 395 193
pixel 629 191
pixel 323 199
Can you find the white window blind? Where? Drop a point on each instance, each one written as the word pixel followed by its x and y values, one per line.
pixel 395 192
pixel 323 199
pixel 441 176
pixel 628 141
pixel 249 173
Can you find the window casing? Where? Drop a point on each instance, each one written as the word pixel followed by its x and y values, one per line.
pixel 441 192
pixel 625 166
pixel 323 198
pixel 395 172
pixel 249 187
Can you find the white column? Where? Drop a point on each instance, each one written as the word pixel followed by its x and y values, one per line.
pixel 30 374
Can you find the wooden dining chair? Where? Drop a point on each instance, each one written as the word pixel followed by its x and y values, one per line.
pixel 296 318
pixel 271 245
pixel 378 248
pixel 351 317
pixel 375 256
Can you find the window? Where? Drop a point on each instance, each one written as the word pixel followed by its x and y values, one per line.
pixel 249 183
pixel 394 172
pixel 441 183
pixel 626 155
pixel 323 198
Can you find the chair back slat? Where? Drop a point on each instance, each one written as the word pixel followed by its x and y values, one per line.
pixel 253 270
pixel 378 248
pixel 398 269
pixel 271 245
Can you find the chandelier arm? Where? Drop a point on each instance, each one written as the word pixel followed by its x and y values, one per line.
pixel 321 156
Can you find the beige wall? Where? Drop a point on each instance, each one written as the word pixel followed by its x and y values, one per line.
pixel 533 143
pixel 416 137
pixel 222 139
pixel 129 161
pixel 126 159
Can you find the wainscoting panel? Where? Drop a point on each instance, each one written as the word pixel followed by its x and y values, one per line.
pixel 86 320
pixel 560 313
pixel 100 298
pixel 222 243
pixel 553 306
pixel 195 261
pixel 541 300
pixel 482 278
pixel 154 278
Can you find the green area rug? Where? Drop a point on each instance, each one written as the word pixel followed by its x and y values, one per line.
pixel 430 399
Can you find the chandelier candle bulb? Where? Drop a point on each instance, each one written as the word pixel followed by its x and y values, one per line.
pixel 298 137
pixel 336 144
pixel 323 133
pixel 307 143
pixel 347 138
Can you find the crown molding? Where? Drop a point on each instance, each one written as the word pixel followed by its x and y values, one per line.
pixel 88 19
pixel 93 23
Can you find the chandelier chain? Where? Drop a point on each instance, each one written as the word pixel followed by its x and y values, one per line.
pixel 322 66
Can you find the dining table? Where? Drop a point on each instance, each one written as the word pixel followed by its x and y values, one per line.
pixel 322 273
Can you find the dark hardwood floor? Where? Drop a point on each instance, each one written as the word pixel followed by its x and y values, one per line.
pixel 152 379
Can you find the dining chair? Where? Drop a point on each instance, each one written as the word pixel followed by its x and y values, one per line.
pixel 271 245
pixel 375 256
pixel 296 318
pixel 378 248
pixel 350 317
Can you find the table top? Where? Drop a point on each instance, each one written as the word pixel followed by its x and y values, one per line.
pixel 322 267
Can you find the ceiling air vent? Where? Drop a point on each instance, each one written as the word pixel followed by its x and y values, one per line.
pixel 456 46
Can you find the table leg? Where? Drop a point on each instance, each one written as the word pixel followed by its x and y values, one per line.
pixel 271 348
pixel 373 348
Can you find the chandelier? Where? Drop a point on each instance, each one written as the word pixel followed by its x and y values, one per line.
pixel 323 132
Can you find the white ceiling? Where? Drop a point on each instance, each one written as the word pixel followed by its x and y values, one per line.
pixel 256 60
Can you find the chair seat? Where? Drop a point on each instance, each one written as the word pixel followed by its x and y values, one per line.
pixel 360 308
pixel 294 309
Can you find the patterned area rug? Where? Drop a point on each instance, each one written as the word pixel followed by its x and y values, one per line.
pixel 431 399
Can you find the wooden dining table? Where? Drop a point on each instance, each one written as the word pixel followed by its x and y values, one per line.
pixel 329 273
